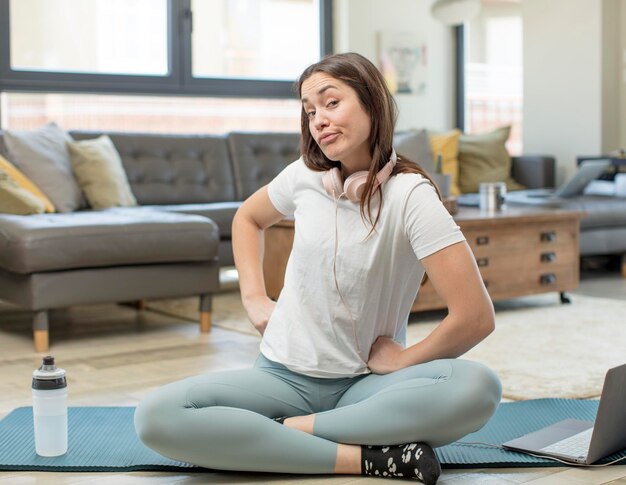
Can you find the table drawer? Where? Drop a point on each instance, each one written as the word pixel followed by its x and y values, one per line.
pixel 540 258
pixel 511 238
pixel 557 278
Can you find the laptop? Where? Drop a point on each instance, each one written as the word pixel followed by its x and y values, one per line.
pixel 574 186
pixel 584 442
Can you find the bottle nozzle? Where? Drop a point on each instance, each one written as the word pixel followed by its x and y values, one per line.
pixel 48 364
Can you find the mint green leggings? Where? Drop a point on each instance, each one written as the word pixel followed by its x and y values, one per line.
pixel 222 420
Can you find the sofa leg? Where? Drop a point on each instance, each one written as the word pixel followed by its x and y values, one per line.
pixel 206 306
pixel 40 331
pixel 136 304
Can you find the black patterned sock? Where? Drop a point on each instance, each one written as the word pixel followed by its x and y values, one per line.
pixel 416 461
pixel 280 419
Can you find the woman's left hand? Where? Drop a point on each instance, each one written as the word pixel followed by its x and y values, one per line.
pixel 385 356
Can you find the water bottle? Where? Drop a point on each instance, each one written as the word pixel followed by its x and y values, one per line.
pixel 50 409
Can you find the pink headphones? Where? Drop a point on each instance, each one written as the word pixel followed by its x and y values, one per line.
pixel 353 186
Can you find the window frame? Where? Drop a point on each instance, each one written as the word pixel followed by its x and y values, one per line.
pixel 179 81
pixel 459 98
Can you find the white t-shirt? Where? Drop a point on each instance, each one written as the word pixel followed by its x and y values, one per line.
pixel 311 329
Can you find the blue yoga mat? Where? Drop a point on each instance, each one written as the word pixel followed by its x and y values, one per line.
pixel 104 439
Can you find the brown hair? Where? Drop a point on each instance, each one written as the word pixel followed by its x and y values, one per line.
pixel 370 86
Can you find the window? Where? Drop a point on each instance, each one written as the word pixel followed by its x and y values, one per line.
pixel 262 39
pixel 158 114
pixel 90 36
pixel 239 48
pixel 490 47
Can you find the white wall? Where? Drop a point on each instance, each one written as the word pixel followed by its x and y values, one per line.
pixel 356 24
pixel 573 87
pixel 611 75
pixel 562 79
pixel 621 75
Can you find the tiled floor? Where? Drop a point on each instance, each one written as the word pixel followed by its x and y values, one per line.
pixel 115 355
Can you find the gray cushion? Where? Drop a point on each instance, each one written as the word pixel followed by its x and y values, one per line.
pixel 43 157
pixel 221 213
pixel 4 151
pixel 258 157
pixel 174 169
pixel 121 236
pixel 415 145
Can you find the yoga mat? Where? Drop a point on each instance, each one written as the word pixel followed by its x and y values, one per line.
pixel 104 439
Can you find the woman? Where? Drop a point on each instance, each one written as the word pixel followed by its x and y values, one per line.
pixel 333 389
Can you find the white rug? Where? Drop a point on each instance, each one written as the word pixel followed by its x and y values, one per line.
pixel 540 348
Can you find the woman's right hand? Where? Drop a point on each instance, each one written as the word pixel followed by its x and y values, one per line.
pixel 259 309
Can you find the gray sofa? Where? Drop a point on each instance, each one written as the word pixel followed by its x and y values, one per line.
pixel 171 245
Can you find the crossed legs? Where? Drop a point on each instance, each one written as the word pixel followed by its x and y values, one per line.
pixel 222 420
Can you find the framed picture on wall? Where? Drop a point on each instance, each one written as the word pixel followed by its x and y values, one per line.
pixel 403 60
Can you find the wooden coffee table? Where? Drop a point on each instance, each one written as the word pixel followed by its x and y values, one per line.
pixel 519 251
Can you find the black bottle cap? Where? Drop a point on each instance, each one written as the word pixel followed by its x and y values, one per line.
pixel 49 384
pixel 49 376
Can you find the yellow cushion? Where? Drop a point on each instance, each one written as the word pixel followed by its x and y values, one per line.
pixel 16 200
pixel 447 145
pixel 25 183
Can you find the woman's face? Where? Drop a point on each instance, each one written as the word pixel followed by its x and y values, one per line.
pixel 337 121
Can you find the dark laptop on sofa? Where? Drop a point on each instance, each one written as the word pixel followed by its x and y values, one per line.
pixel 574 186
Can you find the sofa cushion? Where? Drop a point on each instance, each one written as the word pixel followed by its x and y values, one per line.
pixel 114 237
pixel 25 183
pixel 602 211
pixel 484 158
pixel 16 200
pixel 100 174
pixel 258 157
pixel 446 145
pixel 415 145
pixel 221 213
pixel 42 155
pixel 174 169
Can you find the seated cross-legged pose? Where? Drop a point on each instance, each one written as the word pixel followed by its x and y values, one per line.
pixel 334 390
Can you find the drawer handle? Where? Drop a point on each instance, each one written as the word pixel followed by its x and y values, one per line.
pixel 482 240
pixel 547 279
pixel 548 257
pixel 548 236
pixel 482 262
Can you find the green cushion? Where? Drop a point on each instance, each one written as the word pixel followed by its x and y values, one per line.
pixel 484 158
pixel 98 168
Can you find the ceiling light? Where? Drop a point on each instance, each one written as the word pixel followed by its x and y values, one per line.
pixel 455 12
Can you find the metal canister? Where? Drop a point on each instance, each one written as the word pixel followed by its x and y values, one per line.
pixel 492 196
